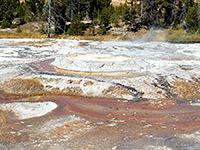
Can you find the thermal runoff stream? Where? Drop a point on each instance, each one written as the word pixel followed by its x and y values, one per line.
pixel 70 94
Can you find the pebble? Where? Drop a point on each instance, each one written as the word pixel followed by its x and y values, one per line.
pixel 163 127
pixel 149 136
pixel 197 132
pixel 112 125
pixel 99 123
pixel 119 121
pixel 142 121
pixel 13 132
pixel 147 126
pixel 28 126
pixel 114 148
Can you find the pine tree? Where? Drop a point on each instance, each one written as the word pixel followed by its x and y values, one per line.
pixel 192 19
pixel 199 15
pixel 104 20
pixel 30 12
pixel 76 27
pixel 129 16
pixel 8 12
pixel 40 7
pixel 167 7
pixel 150 15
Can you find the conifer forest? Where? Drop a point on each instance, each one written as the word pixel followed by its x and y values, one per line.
pixel 101 13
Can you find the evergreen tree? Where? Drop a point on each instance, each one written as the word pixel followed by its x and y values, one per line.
pixel 59 16
pixel 199 15
pixel 33 9
pixel 129 17
pixel 179 14
pixel 8 12
pixel 167 8
pixel 39 7
pixel 192 19
pixel 30 12
pixel 101 4
pixel 151 15
pixel 76 27
pixel 104 20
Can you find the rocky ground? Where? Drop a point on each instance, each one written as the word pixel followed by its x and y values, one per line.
pixel 69 94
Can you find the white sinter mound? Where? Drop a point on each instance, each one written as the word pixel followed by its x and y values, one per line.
pixel 26 110
pixel 98 63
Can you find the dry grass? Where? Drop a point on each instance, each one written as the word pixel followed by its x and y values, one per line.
pixel 73 91
pixel 35 35
pixel 71 128
pixel 8 133
pixel 33 87
pixel 88 83
pixel 23 34
pixel 116 91
pixel 181 36
pixel 26 87
pixel 185 90
pixel 93 38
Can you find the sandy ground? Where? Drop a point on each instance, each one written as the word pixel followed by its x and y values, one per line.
pixel 139 94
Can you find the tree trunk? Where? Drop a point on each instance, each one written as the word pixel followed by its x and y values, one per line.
pixel 55 25
pixel 185 15
pixel 72 10
pixel 49 20
pixel 141 11
pixel 78 8
pixel 88 10
pixel 199 14
pixel 173 16
pixel 131 5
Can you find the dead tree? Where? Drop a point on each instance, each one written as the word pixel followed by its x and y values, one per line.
pixel 199 13
pixel 141 11
pixel 49 20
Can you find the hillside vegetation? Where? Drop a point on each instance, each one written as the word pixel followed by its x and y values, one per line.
pixel 97 17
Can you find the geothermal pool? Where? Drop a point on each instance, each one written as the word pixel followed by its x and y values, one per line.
pixel 116 94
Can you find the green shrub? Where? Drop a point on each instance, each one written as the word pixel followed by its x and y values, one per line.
pixel 76 27
pixel 104 21
pixel 5 24
pixel 191 19
pixel 19 30
pixel 42 29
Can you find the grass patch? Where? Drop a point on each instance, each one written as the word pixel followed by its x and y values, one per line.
pixel 185 90
pixel 93 38
pixel 8 133
pixel 24 34
pixel 36 35
pixel 181 36
pixel 71 128
pixel 25 87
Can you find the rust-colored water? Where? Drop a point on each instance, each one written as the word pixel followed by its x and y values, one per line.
pixel 113 117
pixel 167 119
pixel 164 117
